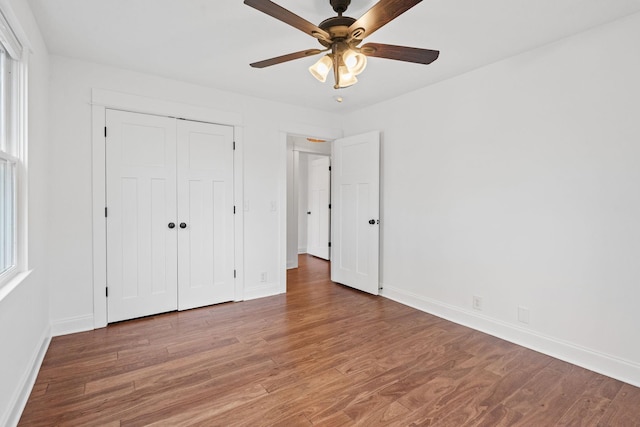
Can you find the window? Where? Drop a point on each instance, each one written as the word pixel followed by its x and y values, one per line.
pixel 11 166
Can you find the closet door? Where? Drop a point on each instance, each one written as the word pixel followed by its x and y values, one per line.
pixel 205 214
pixel 141 202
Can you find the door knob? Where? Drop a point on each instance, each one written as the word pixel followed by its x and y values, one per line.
pixel 171 225
pixel 309 213
pixel 183 225
pixel 372 221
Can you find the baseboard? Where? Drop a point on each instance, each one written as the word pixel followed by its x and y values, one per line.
pixel 605 364
pixel 26 384
pixel 72 325
pixel 266 290
pixel 302 250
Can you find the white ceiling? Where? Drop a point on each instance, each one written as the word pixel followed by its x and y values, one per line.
pixel 212 42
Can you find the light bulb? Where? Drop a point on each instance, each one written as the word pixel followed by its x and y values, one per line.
pixel 347 78
pixel 320 69
pixel 355 62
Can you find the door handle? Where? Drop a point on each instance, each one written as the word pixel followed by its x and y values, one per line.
pixel 171 225
pixel 308 212
pixel 372 221
pixel 183 225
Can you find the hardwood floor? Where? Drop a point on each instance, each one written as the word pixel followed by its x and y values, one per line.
pixel 323 354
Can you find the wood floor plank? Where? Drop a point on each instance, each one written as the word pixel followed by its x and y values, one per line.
pixel 623 410
pixel 554 404
pixel 321 355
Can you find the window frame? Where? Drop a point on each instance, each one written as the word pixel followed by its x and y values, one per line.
pixel 13 149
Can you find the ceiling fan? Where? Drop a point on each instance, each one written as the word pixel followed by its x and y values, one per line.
pixel 340 36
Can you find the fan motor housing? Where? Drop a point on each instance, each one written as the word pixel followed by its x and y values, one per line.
pixel 337 27
pixel 340 6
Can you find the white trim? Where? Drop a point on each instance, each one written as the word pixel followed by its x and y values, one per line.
pixel 141 104
pixel 99 197
pixel 290 129
pixel 263 291
pixel 605 364
pixel 22 198
pixel 13 283
pixel 103 99
pixel 281 275
pixel 17 29
pixel 19 130
pixel 71 325
pixel 238 185
pixel 20 398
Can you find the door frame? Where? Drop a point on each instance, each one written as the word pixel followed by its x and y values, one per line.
pixel 292 129
pixel 101 100
pixel 296 196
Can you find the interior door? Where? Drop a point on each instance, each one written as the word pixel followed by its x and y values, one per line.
pixel 141 188
pixel 318 212
pixel 205 214
pixel 355 207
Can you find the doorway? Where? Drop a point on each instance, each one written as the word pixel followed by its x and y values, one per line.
pixel 308 198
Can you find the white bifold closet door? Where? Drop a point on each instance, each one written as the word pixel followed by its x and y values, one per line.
pixel 170 214
pixel 205 208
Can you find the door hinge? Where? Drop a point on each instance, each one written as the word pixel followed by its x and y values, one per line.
pixel 105 211
pixel 234 274
pixel 329 205
pixel 329 244
pixel 106 291
pixel 105 131
pixel 329 167
pixel 234 145
pixel 234 210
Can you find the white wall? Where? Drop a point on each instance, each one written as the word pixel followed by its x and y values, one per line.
pixel 70 212
pixel 24 313
pixel 518 183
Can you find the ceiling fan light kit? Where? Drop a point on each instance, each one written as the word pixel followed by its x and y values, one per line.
pixel 341 35
pixel 321 69
pixel 346 62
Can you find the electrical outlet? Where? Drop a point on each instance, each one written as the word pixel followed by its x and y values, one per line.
pixel 477 303
pixel 263 276
pixel 523 314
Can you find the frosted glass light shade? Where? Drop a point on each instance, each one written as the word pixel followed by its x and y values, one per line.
pixel 355 62
pixel 320 69
pixel 347 78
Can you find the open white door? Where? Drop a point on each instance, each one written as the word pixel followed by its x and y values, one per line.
pixel 318 211
pixel 355 199
pixel 141 231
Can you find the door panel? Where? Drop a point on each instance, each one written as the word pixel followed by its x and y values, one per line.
pixel 141 186
pixel 355 202
pixel 318 219
pixel 205 205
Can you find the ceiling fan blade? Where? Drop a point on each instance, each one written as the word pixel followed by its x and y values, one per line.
pixel 400 53
pixel 288 17
pixel 380 14
pixel 285 58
